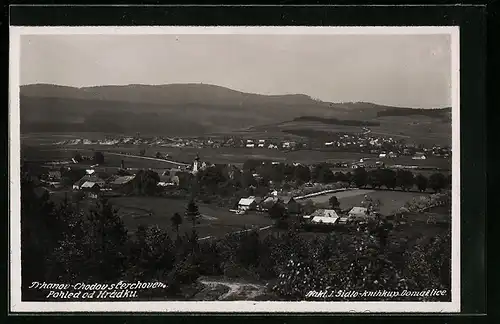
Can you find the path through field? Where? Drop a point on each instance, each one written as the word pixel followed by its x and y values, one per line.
pixel 237 290
pixel 237 232
pixel 147 158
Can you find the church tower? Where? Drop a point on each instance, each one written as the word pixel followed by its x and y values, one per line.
pixel 196 164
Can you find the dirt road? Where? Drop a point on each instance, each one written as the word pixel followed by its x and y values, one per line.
pixel 238 232
pixel 237 290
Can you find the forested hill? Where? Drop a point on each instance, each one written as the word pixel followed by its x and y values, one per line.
pixel 180 109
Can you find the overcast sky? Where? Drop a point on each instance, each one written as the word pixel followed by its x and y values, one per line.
pixel 399 70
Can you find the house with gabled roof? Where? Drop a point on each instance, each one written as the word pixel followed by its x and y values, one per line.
pixel 323 216
pixel 247 203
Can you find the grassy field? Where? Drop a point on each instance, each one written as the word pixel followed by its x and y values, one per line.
pixel 224 155
pixel 390 200
pixel 421 129
pixel 158 211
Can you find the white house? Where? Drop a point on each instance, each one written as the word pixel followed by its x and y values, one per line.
pixel 250 145
pixel 247 203
pixel 382 156
pixel 419 156
pixel 323 216
pixel 165 184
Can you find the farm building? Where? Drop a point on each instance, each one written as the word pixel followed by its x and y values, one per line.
pixel 323 216
pixel 419 156
pixel 54 175
pixel 91 188
pixel 121 181
pixel 165 184
pixel 247 203
pixel 267 203
pixel 90 178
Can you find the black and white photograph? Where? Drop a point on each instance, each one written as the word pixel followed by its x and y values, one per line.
pixel 235 169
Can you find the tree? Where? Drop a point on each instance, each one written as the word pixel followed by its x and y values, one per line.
pixel 93 245
pixel 360 177
pixel 212 178
pixel 437 181
pixel 77 197
pixel 248 180
pixel 192 212
pixel 388 178
pixel 158 155
pixel 374 179
pixel 145 182
pixel 98 158
pixel 372 205
pixel 142 152
pixel 405 179
pixel 448 182
pixel 421 182
pixel 176 222
pixel 78 157
pixel 308 207
pixel 41 229
pixel 340 176
pixel 279 214
pixel 302 174
pixel 152 254
pixel 334 202
pixel 251 164
pixel 322 173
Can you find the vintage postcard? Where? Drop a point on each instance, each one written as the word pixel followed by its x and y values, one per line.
pixel 234 169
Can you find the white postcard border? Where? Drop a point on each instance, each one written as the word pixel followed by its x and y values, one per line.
pixel 16 305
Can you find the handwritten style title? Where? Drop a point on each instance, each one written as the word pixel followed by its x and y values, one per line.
pixel 82 290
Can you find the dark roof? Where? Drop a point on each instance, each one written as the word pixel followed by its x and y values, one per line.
pixel 55 173
pixel 123 180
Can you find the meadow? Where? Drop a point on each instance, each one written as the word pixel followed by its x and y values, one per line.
pixel 390 201
pixel 215 221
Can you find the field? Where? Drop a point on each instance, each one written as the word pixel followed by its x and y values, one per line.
pixel 214 221
pixel 421 129
pixel 223 155
pixel 390 200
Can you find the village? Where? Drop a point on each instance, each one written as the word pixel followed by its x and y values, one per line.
pixel 384 147
pixel 330 201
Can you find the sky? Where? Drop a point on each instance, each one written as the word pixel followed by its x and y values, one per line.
pixel 397 70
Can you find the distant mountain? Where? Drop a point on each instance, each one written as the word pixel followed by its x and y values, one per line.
pixel 169 94
pixel 174 109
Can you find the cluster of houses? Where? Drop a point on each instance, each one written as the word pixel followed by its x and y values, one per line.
pixel 327 217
